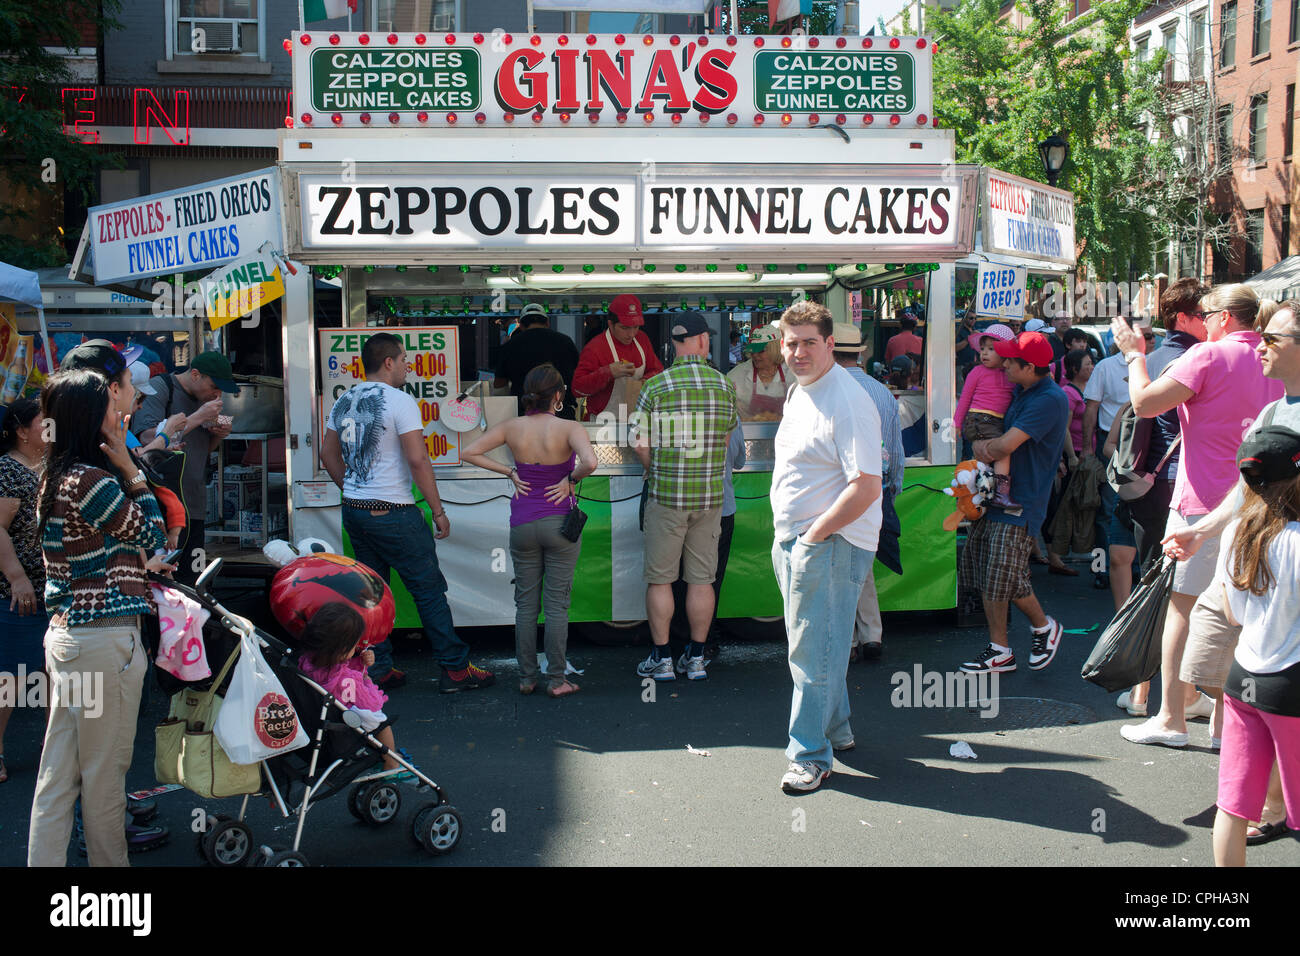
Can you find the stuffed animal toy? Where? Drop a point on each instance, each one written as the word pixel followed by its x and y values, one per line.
pixel 968 477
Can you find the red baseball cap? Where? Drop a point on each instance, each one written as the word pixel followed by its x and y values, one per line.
pixel 1033 347
pixel 627 309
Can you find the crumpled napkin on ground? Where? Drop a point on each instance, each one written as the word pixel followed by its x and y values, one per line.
pixel 961 750
pixel 568 668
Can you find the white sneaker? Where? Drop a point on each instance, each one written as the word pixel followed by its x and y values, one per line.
pixel 1203 706
pixel 661 669
pixel 1046 643
pixel 803 777
pixel 1125 702
pixel 1148 733
pixel 991 661
pixel 692 667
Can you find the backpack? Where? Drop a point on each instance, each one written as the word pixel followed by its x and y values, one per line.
pixel 1126 471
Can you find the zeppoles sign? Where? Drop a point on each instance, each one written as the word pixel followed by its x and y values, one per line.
pixel 450 212
pixel 342 79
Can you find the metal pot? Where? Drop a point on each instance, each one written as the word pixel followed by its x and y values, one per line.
pixel 259 406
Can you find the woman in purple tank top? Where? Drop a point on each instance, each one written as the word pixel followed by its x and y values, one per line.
pixel 551 455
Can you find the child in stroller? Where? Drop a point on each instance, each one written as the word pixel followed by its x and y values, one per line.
pixel 343 752
pixel 332 656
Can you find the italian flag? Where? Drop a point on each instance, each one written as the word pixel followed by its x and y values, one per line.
pixel 778 10
pixel 314 10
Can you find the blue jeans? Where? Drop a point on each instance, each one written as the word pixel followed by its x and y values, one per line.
pixel 401 541
pixel 820 585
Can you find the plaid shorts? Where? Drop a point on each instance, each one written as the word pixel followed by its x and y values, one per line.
pixel 995 561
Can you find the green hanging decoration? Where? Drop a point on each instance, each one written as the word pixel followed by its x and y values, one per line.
pixel 801 267
pixel 742 267
pixel 588 269
pixel 770 267
pixel 464 269
pixel 862 267
pixel 401 268
pixel 369 268
pixel 619 267
pixel 494 269
pixel 680 267
pixel 557 268
pixel 432 270
pixel 711 267
pixel 650 267
pixel 525 269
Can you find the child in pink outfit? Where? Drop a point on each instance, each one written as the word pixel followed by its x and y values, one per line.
pixel 332 657
pixel 985 398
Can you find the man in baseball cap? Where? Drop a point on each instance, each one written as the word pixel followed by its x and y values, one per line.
pixel 995 561
pixel 195 393
pixel 611 360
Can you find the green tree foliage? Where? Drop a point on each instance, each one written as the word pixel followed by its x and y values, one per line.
pixel 35 155
pixel 1003 90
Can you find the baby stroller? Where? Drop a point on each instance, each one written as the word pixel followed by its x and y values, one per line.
pixel 341 754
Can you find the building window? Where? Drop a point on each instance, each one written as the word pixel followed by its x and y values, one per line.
pixel 1259 128
pixel 1254 263
pixel 414 15
pixel 1295 27
pixel 217 26
pixel 1288 121
pixel 1196 46
pixel 1225 137
pixel 1187 259
pixel 1228 36
pixel 1141 48
pixel 1284 249
pixel 1169 41
pixel 1263 25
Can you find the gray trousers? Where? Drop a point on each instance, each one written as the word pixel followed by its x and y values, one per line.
pixel 868 629
pixel 544 562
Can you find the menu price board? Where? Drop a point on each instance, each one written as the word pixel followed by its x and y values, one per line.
pixel 433 380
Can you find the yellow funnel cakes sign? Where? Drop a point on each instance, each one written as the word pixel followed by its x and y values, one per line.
pixel 238 289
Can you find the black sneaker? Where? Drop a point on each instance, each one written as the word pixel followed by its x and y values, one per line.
pixel 470 678
pixel 871 651
pixel 392 680
pixel 138 839
pixel 142 811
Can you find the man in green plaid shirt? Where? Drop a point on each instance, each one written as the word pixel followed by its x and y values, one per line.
pixel 681 426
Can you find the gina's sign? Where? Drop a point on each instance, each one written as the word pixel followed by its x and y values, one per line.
pixel 837 210
pixel 356 79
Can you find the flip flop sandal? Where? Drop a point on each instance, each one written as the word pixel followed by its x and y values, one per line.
pixel 562 689
pixel 527 686
pixel 1268 832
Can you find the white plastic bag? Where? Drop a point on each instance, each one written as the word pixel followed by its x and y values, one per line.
pixel 257 720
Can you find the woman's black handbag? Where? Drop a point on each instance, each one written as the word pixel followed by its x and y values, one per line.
pixel 1128 651
pixel 573 521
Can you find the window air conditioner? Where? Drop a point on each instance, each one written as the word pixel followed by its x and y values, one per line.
pixel 219 36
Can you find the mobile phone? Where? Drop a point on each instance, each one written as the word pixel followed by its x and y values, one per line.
pixel 174 556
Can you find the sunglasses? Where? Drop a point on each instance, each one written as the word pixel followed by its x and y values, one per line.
pixel 1274 339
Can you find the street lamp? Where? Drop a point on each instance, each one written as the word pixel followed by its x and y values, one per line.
pixel 1053 151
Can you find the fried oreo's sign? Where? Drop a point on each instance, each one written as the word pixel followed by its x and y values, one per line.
pixel 496 79
pixel 456 212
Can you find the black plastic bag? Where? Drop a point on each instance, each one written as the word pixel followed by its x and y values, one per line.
pixel 1128 651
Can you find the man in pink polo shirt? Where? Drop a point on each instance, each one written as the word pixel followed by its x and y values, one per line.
pixel 1218 387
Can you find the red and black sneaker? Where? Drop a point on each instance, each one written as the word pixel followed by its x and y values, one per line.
pixel 469 678
pixel 392 680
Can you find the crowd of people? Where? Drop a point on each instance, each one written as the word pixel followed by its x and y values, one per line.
pixel 81 525
pixel 1221 401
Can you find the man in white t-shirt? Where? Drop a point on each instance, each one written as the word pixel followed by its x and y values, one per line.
pixel 826 512
pixel 374 450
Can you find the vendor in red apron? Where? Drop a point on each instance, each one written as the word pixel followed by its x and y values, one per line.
pixel 761 383
pixel 620 355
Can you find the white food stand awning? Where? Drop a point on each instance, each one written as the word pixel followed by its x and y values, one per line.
pixel 1281 281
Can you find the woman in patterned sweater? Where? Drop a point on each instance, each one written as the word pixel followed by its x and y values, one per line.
pixel 97 520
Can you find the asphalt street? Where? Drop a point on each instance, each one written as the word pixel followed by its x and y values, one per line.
pixel 606 777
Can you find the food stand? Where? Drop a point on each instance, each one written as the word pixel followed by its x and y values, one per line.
pixel 448 181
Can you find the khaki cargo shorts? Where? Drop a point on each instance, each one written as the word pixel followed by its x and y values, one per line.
pixel 681 541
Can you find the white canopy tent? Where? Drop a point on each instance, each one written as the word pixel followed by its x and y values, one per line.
pixel 19 285
pixel 1281 281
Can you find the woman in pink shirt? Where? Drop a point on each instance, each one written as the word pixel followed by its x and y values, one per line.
pixel 1218 387
pixel 985 397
